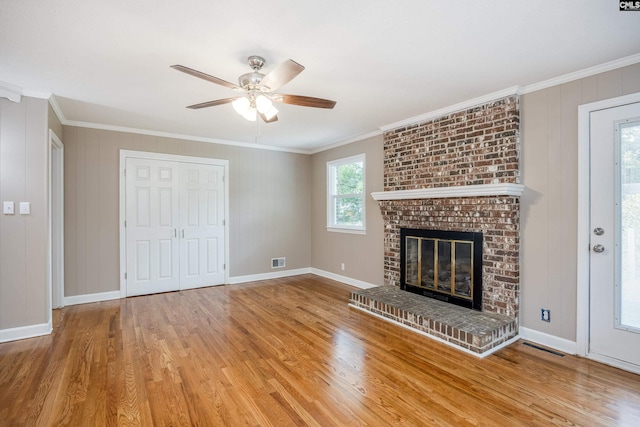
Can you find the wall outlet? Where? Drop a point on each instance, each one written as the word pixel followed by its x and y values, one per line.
pixel 546 315
pixel 342 266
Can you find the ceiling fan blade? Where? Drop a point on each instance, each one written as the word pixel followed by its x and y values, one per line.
pixel 271 120
pixel 213 103
pixel 205 76
pixel 282 75
pixel 305 101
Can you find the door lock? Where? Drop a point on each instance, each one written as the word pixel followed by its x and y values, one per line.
pixel 598 249
pixel 598 231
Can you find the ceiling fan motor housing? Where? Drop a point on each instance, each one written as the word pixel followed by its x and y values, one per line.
pixel 250 81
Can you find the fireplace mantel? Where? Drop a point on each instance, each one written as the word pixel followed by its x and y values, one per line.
pixel 504 189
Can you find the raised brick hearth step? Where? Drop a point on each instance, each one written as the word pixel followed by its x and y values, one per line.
pixel 475 331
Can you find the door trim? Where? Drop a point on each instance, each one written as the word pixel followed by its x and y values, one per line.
pixel 55 197
pixel 583 250
pixel 124 155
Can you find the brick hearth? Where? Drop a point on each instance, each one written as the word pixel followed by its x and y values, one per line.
pixel 478 332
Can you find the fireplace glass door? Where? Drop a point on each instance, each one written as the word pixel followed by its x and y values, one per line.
pixel 443 267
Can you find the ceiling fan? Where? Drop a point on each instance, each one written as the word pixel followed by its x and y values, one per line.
pixel 258 90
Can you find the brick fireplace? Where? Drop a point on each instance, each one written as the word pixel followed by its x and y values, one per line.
pixel 459 172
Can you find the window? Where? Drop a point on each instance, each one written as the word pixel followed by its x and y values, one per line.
pixel 345 195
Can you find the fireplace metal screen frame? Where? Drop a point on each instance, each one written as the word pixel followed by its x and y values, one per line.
pixel 475 302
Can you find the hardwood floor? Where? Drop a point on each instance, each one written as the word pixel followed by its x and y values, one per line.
pixel 287 352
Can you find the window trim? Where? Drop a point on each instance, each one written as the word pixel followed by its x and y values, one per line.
pixel 330 201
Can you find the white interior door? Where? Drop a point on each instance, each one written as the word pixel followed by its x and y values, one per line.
pixel 202 225
pixel 614 308
pixel 175 224
pixel 152 212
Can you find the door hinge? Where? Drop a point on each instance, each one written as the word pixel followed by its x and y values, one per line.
pixel 224 266
pixel 125 172
pixel 224 222
pixel 125 276
pixel 125 223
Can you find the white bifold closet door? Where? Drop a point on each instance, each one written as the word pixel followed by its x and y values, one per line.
pixel 174 225
pixel 202 225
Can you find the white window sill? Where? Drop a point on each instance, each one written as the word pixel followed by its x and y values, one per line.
pixel 347 230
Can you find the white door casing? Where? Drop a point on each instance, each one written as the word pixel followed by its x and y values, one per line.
pixel 599 335
pixel 197 236
pixel 56 220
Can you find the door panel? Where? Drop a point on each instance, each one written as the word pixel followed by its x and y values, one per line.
pixel 611 288
pixel 152 214
pixel 202 206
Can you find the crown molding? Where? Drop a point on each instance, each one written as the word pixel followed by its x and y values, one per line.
pixel 15 93
pixel 11 92
pixel 505 189
pixel 178 136
pixel 346 142
pixel 519 90
pixel 581 74
pixel 36 94
pixel 53 101
pixel 514 90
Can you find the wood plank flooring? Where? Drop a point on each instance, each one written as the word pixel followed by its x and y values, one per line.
pixel 287 352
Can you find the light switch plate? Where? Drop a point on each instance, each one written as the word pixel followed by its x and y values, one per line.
pixel 25 208
pixel 7 208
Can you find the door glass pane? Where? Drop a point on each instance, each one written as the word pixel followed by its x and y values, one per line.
pixel 630 224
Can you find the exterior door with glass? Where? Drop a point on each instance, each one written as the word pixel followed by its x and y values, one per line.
pixel 614 294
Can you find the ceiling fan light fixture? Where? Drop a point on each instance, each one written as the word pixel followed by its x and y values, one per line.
pixel 241 105
pixel 263 104
pixel 251 114
pixel 259 90
pixel 270 113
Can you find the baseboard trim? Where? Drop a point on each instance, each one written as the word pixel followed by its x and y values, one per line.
pixel 551 341
pixel 23 332
pixel 88 298
pixel 265 276
pixel 346 280
pixel 107 296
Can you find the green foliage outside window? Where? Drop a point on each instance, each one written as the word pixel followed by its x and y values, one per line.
pixel 349 182
pixel 346 198
pixel 630 180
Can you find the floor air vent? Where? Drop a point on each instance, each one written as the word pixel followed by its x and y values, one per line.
pixel 543 349
pixel 277 262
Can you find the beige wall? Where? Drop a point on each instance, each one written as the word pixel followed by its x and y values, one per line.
pixel 549 206
pixel 269 205
pixel 23 243
pixel 361 254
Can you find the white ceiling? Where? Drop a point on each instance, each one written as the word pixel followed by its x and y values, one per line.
pixel 383 61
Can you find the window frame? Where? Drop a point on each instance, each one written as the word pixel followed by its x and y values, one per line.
pixel 332 197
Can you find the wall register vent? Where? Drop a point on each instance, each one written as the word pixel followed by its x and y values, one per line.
pixel 277 262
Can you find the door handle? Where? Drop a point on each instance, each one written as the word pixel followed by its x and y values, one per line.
pixel 598 249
